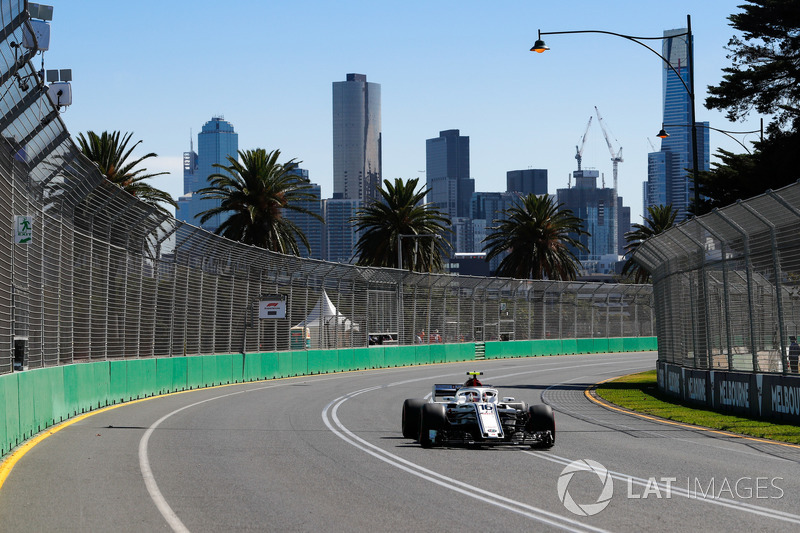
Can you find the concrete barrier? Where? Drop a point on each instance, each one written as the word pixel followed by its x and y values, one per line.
pixel 36 399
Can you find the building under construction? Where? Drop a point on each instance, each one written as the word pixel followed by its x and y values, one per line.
pixel 600 208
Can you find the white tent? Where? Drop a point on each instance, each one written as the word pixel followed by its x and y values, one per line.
pixel 326 326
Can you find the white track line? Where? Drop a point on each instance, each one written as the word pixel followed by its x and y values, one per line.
pixel 512 505
pixel 529 511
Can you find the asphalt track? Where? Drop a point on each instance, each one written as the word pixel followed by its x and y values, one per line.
pixel 325 453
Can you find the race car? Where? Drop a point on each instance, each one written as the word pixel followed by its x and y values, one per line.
pixel 476 414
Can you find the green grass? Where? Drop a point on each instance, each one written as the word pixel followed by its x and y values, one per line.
pixel 639 392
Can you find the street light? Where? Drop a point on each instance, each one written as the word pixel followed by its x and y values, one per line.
pixel 663 133
pixel 540 46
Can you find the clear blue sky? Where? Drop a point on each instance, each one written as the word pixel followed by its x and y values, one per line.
pixel 162 69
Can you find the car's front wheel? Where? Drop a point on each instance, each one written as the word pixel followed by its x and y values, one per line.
pixel 412 410
pixel 433 418
pixel 540 420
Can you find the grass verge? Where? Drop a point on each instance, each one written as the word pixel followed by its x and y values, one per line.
pixel 639 392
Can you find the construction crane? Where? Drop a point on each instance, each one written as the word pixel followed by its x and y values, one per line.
pixel 579 149
pixel 616 157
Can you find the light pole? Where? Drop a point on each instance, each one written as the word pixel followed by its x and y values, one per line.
pixel 432 237
pixel 540 47
pixel 400 237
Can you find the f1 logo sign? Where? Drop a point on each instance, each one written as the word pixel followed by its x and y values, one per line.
pixel 272 308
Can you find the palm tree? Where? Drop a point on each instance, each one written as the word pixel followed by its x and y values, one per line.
pixel 110 153
pixel 537 234
pixel 659 218
pixel 255 192
pixel 398 214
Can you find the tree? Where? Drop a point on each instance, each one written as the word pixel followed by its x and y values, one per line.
pixel 765 71
pixel 254 194
pixel 659 219
pixel 765 77
pixel 110 153
pixel 741 176
pixel 539 237
pixel 400 211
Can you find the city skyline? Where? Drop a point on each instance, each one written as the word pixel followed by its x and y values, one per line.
pixel 439 69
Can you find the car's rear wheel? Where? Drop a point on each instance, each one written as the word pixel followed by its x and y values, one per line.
pixel 412 411
pixel 433 418
pixel 541 419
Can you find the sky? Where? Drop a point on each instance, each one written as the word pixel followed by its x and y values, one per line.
pixel 162 69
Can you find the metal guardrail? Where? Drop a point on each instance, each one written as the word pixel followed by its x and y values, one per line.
pixel 727 285
pixel 106 277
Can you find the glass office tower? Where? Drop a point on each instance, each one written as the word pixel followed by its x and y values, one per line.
pixel 668 175
pixel 340 235
pixel 527 181
pixel 311 227
pixel 447 173
pixel 357 158
pixel 216 141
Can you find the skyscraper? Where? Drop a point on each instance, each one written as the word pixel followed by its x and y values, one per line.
pixel 447 173
pixel 311 227
pixel 623 225
pixel 357 158
pixel 340 235
pixel 668 175
pixel 528 181
pixel 216 141
pixel 189 184
pixel 485 209
pixel 597 208
pixel 190 169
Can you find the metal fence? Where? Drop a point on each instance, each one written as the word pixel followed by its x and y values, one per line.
pixel 727 285
pixel 105 276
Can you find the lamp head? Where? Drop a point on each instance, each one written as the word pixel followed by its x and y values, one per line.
pixel 539 46
pixel 662 134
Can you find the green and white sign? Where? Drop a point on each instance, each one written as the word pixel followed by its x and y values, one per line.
pixel 23 229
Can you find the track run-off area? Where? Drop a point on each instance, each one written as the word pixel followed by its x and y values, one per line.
pixel 325 453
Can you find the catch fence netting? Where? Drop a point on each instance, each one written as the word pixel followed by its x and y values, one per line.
pixel 104 276
pixel 727 285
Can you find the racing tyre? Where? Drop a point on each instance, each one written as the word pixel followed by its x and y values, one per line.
pixel 541 418
pixel 433 417
pixel 412 409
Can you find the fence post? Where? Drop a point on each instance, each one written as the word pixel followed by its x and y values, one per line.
pixel 725 293
pixel 776 269
pixel 748 278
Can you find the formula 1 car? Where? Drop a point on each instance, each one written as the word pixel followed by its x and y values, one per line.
pixel 475 414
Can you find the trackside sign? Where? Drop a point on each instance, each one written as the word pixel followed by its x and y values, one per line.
pixel 773 396
pixel 272 306
pixel 23 229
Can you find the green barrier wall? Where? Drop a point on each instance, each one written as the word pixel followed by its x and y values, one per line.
pixel 35 400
